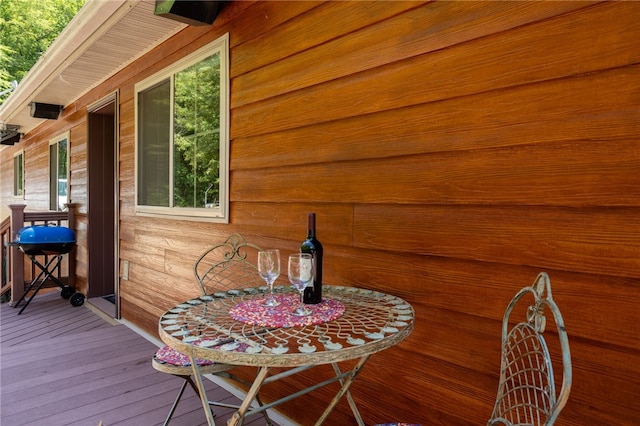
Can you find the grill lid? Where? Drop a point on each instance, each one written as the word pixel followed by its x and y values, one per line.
pixel 44 234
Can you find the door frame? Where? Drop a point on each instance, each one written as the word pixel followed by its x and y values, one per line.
pixel 112 98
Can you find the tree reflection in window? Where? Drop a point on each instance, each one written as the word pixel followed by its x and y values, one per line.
pixel 196 156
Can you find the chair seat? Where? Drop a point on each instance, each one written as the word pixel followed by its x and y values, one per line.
pixel 168 360
pixel 168 355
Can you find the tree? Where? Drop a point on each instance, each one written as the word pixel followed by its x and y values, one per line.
pixel 27 29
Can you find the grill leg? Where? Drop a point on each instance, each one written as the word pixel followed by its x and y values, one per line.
pixel 31 285
pixel 48 269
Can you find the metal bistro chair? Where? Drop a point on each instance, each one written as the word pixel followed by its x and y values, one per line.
pixel 222 267
pixel 527 390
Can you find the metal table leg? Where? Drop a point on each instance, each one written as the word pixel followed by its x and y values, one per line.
pixel 346 379
pixel 238 416
pixel 345 389
pixel 350 400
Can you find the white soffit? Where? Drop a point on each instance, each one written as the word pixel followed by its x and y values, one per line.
pixel 104 37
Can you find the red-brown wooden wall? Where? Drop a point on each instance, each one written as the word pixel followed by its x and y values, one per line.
pixel 452 150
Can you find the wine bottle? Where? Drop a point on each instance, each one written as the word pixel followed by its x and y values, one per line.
pixel 313 294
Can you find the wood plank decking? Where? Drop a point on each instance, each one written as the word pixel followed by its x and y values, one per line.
pixel 65 365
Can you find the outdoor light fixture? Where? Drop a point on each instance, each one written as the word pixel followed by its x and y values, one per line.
pixel 9 134
pixel 11 140
pixel 49 111
pixel 198 12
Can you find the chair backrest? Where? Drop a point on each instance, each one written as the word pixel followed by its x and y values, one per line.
pixel 229 265
pixel 527 390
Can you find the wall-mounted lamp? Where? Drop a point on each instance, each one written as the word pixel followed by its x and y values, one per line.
pixel 10 138
pixel 196 12
pixel 49 111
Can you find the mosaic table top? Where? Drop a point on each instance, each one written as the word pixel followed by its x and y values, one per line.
pixel 233 327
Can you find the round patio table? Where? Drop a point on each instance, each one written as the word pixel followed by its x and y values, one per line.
pixel 234 327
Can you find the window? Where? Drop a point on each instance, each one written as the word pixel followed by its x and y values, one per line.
pixel 58 172
pixel 18 175
pixel 182 137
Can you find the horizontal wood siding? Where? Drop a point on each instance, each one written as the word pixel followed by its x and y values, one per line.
pixel 451 150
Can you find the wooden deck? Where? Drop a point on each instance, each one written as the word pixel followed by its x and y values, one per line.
pixel 65 365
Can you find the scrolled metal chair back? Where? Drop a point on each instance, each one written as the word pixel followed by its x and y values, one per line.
pixel 229 265
pixel 527 390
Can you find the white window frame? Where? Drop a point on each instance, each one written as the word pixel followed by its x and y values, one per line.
pixel 219 213
pixel 54 202
pixel 18 184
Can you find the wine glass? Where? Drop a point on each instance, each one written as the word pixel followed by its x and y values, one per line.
pixel 300 276
pixel 269 270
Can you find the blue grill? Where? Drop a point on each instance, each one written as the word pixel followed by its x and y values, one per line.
pixel 42 239
pixel 51 242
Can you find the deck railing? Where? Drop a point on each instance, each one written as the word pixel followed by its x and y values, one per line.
pixel 5 271
pixel 13 272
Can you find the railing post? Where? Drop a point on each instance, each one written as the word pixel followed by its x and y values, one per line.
pixel 17 264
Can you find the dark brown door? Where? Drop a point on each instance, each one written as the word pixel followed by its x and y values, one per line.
pixel 102 200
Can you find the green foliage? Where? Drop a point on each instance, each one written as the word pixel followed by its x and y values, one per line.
pixel 28 28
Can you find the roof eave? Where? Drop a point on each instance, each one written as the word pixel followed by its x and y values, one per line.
pixel 93 22
pixel 94 18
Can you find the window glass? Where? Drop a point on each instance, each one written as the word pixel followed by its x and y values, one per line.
pixel 153 146
pixel 182 137
pixel 18 175
pixel 58 172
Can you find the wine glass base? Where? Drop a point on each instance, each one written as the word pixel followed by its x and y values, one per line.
pixel 301 312
pixel 271 303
